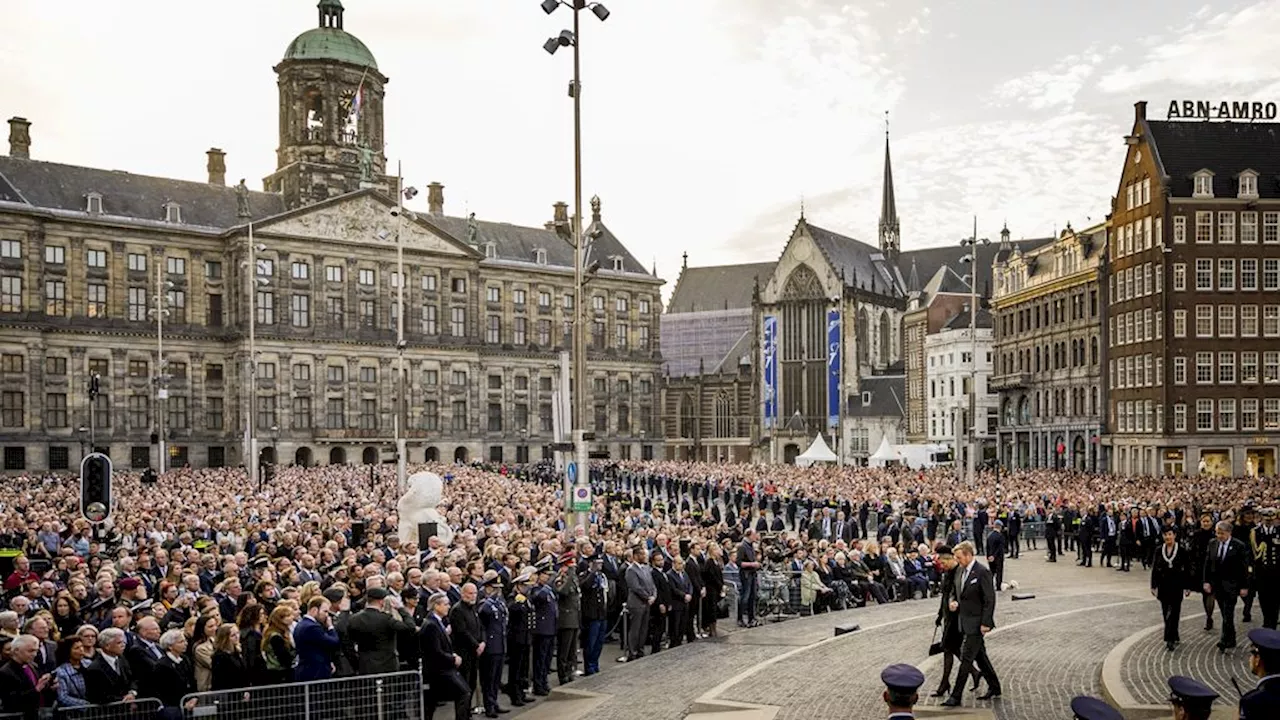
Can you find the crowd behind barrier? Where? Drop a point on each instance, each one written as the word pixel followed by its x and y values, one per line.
pixel 205 590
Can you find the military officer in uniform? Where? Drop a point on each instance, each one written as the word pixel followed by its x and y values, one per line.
pixel 493 621
pixel 546 612
pixel 902 683
pixel 1084 707
pixel 1262 700
pixel 520 624
pixel 1191 699
pixel 1266 570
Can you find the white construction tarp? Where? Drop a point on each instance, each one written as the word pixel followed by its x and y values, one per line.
pixel 817 452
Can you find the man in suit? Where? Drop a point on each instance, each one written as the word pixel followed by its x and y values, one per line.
pixel 108 678
pixel 440 663
pixel 21 690
pixel 46 650
pixel 1226 571
pixel 466 633
pixel 641 595
pixel 316 641
pixel 493 621
pixel 975 607
pixel 1107 530
pixel 373 632
pixel 956 536
pixel 995 553
pixel 143 655
pixel 681 597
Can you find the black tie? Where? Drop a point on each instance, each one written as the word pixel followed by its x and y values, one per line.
pixel 1222 554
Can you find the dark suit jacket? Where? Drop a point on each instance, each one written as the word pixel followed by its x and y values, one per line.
pixel 172 681
pixel 229 671
pixel 316 647
pixel 437 650
pixel 977 599
pixel 1230 575
pixel 17 694
pixel 1169 580
pixel 374 634
pixel 103 685
pixel 996 546
pixel 143 665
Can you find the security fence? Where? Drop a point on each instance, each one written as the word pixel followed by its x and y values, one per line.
pixel 392 696
pixel 141 709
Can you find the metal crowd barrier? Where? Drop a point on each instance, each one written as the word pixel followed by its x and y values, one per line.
pixel 141 709
pixel 390 696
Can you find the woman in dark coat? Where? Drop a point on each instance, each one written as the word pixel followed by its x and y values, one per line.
pixel 713 584
pixel 229 671
pixel 1169 570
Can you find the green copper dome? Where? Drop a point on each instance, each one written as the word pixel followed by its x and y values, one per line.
pixel 326 43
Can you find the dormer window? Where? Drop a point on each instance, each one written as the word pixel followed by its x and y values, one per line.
pixel 1203 184
pixel 540 256
pixel 617 264
pixel 1248 185
pixel 93 203
pixel 490 250
pixel 172 212
pixel 866 398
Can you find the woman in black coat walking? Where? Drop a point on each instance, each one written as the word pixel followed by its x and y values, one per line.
pixel 1169 584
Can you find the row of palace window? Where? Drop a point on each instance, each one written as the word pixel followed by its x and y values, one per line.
pixel 1226 227
pixel 1136 282
pixel 98 259
pixel 1137 236
pixel 1135 327
pixel 1146 416
pixel 1227 325
pixel 1060 357
pixel 1224 278
pixel 1048 313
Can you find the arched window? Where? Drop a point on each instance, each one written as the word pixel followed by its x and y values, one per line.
pixel 864 349
pixel 1024 411
pixel 886 338
pixel 687 416
pixel 723 416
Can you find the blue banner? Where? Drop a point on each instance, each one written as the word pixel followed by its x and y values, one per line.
pixel 833 368
pixel 770 351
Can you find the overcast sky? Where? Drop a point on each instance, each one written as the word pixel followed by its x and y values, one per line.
pixel 705 121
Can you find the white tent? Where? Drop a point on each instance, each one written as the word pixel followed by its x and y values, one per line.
pixel 884 455
pixel 817 452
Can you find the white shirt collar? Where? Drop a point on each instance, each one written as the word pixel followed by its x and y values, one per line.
pixel 112 661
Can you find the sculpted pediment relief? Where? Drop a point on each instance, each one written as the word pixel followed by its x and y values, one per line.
pixel 360 221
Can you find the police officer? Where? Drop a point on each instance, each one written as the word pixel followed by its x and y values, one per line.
pixel 1084 707
pixel 520 624
pixel 1191 699
pixel 493 621
pixel 901 683
pixel 546 614
pixel 1262 701
pixel 1266 571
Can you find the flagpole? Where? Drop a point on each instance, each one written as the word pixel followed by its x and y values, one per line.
pixel 402 402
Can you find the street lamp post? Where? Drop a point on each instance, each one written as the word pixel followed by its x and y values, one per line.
pixel 160 300
pixel 972 243
pixel 572 38
pixel 402 385
pixel 252 282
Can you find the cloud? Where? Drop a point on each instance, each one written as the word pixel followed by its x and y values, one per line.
pixel 1055 87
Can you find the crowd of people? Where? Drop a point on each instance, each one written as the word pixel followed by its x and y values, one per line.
pixel 204 582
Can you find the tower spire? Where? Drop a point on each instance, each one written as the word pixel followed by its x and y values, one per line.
pixel 889 230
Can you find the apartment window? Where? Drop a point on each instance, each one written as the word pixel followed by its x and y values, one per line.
pixel 621 336
pixel 368 313
pixel 267 370
pixel 599 386
pixel 137 262
pixel 1204 185
pixel 138 368
pixel 101 366
pixel 177 306
pixel 12 409
pixel 300 310
pixel 55 410
pixel 458 322
pixel 175 265
pixel 495 417
pixel 366 277
pixel 300 271
pixel 1204 321
pixel 55 255
pixel 597 335
pixel 11 249
pixel 1204 274
pixel 1226 321
pixel 520 331
pixel 1226 368
pixel 213 314
pixel 1226 227
pixel 518 297
pixel 601 418
pixel 429 282
pixel 1226 274
pixel 458 285
pixel 1179 417
pixel 1271 367
pixel 430 415
pixel 644 306
pixel 1271 414
pixel 1248 321
pixel 1249 414
pixel 567 301
pixel 139 411
pixel 54 365
pixel 644 337
pixel 597 302
pixel 179 418
pixel 213 413
pixel 212 270
pixel 368 414
pixel 334 311
pixel 431 378
pixel 545 422
pixel 1249 227
pixel 96 300
pixel 1271 227
pixel 493 329
pixel 1204 415
pixel 1227 414
pixel 333 273
pixel 1179 277
pixel 395 279
pixel 430 320
pixel 544 299
pixel 1179 229
pixel 266 267
pixel 458 378
pixel 493 294
pixel 1179 370
pixel 522 382
pixel 1249 367
pixel 1248 185
pixel 335 414
pixel 620 304
pixel 301 415
pixel 368 374
pixel 1204 368
pixel 1271 320
pixel 55 298
pixel 1248 274
pixel 646 387
pixel 1271 274
pixel 544 333
pixel 1204 227
pixel 458 421
pixel 302 372
pixel 95 258
pixel 1179 323
pixel 266 307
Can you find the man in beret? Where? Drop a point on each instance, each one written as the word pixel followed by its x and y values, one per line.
pixel 901 685
pixel 373 631
pixel 1262 700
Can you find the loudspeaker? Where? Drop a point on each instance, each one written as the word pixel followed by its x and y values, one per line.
pixel 357 533
pixel 846 628
pixel 426 530
pixel 1023 596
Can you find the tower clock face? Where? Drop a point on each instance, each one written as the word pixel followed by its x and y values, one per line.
pixel 348 98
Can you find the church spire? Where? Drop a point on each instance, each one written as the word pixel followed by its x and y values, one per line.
pixel 889 231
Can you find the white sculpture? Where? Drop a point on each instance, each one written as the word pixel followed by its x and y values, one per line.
pixel 418 505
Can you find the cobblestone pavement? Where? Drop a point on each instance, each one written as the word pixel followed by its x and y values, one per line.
pixel 1046 650
pixel 1148 664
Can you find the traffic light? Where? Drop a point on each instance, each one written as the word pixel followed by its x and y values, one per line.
pixel 95 487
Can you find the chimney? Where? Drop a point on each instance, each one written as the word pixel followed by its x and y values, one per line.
pixel 435 198
pixel 19 138
pixel 217 167
pixel 561 215
pixel 1140 111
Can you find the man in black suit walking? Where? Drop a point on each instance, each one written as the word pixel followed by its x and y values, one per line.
pixel 995 553
pixel 440 664
pixel 975 608
pixel 1226 569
